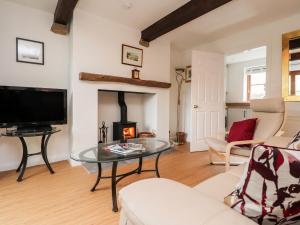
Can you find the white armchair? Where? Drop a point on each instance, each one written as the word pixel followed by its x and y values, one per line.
pixel 270 114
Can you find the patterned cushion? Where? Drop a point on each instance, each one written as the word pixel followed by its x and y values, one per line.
pixel 269 190
pixel 295 143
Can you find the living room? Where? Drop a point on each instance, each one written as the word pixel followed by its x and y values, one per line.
pixel 166 71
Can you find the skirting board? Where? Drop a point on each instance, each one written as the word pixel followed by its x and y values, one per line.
pixel 74 163
pixel 32 161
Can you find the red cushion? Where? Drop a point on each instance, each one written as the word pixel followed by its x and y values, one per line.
pixel 242 130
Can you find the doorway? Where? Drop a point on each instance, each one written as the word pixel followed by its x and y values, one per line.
pixel 245 79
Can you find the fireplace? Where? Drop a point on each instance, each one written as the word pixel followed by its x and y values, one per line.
pixel 124 129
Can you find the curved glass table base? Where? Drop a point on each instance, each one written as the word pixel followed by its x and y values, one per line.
pixel 99 155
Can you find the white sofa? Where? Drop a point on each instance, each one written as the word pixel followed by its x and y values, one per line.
pixel 160 201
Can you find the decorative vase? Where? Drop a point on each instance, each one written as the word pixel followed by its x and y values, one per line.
pixel 181 138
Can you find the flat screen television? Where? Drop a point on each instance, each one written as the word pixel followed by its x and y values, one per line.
pixel 32 107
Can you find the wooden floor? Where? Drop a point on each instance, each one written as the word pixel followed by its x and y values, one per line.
pixel 64 198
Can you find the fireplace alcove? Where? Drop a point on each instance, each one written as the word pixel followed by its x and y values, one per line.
pixel 125 113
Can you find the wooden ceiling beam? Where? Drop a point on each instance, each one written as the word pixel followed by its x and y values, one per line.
pixel 186 13
pixel 63 16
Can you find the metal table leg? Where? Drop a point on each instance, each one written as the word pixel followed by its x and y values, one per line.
pixel 140 165
pixel 98 177
pixel 114 186
pixel 156 165
pixel 44 144
pixel 116 178
pixel 23 163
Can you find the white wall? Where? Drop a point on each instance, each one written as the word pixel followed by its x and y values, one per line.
pixel 180 59
pixel 99 42
pixel 265 35
pixel 235 79
pixel 28 23
pixel 96 48
pixel 176 62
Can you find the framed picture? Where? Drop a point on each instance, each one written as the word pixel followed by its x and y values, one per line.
pixel 188 74
pixel 135 74
pixel 29 51
pixel 132 56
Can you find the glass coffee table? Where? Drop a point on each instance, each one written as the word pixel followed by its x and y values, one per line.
pixel 100 154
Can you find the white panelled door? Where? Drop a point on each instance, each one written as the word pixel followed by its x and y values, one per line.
pixel 208 102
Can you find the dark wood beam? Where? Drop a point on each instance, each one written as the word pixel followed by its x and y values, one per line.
pixel 63 16
pixel 186 13
pixel 109 78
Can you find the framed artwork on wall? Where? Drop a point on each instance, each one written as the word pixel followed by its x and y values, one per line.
pixel 29 51
pixel 188 74
pixel 135 74
pixel 132 56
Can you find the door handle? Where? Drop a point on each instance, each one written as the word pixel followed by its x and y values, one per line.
pixel 196 106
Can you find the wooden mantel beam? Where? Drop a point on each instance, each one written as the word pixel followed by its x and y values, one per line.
pixel 186 13
pixel 108 78
pixel 63 16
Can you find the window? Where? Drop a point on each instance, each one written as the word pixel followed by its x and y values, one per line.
pixel 255 83
pixel 294 83
pixel 297 85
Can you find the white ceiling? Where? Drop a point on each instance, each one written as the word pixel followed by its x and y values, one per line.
pixel 230 18
pixel 247 55
pixel 45 5
pixel 141 14
pixel 233 17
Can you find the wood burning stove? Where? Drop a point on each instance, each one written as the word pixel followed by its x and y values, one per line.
pixel 124 129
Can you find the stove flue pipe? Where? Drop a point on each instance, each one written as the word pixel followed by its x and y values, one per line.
pixel 123 107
